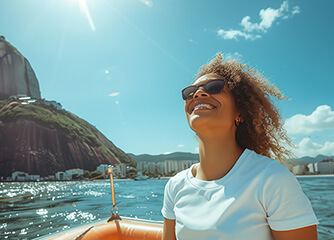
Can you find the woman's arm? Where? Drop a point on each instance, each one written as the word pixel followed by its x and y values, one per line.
pixel 306 233
pixel 169 230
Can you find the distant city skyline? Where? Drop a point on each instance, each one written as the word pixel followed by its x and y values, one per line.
pixel 121 65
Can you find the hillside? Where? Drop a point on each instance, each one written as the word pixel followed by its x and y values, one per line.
pixel 316 159
pixel 40 139
pixel 192 156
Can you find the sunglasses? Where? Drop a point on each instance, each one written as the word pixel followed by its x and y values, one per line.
pixel 211 87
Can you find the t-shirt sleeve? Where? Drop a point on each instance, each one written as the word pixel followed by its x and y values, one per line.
pixel 168 205
pixel 286 205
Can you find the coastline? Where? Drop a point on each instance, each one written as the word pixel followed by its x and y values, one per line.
pixel 107 179
pixel 319 175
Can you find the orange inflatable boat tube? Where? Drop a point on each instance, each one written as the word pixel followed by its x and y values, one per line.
pixel 116 230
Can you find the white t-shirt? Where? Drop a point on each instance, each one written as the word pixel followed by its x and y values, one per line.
pixel 258 194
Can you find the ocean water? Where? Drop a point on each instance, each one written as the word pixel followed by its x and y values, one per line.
pixel 57 206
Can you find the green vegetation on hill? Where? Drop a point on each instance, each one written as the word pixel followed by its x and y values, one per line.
pixel 62 121
pixel 3 103
pixel 59 120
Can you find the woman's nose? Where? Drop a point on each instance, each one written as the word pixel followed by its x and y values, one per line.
pixel 200 92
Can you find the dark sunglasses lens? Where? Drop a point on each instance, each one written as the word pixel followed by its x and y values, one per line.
pixel 188 92
pixel 214 87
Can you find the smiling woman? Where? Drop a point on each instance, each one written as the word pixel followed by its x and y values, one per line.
pixel 262 128
pixel 243 193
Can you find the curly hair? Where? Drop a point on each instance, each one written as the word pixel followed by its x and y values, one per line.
pixel 262 127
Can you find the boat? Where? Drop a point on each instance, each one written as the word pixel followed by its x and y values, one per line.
pixel 119 229
pixel 140 177
pixel 115 228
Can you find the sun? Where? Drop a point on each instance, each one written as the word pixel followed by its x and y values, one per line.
pixel 84 9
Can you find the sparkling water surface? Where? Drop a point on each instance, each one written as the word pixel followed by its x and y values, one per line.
pixel 57 206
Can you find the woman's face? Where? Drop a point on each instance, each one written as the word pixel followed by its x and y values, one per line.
pixel 211 114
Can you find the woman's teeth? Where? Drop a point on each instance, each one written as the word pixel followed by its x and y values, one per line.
pixel 203 106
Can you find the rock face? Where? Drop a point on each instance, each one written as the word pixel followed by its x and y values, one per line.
pixel 41 140
pixel 16 74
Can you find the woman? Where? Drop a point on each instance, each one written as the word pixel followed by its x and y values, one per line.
pixel 236 191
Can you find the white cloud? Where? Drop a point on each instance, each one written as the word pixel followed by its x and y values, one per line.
pixel 166 153
pixel 267 18
pixel 295 10
pixel 148 3
pixel 321 119
pixel 180 145
pixel 234 34
pixel 114 94
pixel 308 148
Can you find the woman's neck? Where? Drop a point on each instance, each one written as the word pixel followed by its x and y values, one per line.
pixel 217 157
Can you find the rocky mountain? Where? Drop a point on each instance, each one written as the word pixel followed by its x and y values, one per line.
pixel 40 139
pixel 16 74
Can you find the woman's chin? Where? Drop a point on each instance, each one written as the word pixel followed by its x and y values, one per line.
pixel 198 124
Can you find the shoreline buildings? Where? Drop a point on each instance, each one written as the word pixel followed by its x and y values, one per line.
pixel 326 166
pixel 119 171
pixel 165 167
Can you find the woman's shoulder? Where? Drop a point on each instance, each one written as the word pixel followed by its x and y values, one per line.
pixel 273 172
pixel 264 162
pixel 265 166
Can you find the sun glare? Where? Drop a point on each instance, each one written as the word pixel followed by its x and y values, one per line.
pixel 84 9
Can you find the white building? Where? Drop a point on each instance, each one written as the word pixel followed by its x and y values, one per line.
pixel 152 167
pixel 61 176
pixel 76 171
pixel 298 169
pixel 119 170
pixel 326 166
pixel 141 166
pixel 166 166
pixel 20 176
pixel 51 177
pixel 34 177
pixel 103 168
pixel 177 166
pixel 160 167
pixel 122 168
pixel 311 168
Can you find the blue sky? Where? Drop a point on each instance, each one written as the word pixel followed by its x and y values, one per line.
pixel 120 64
